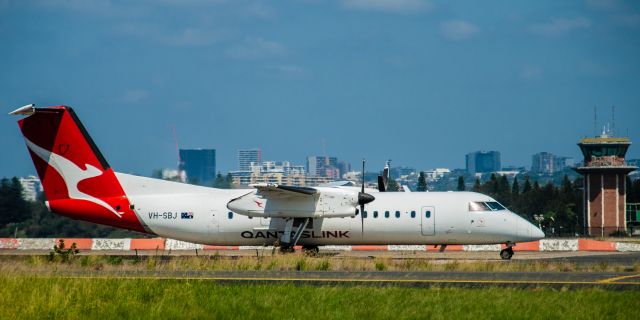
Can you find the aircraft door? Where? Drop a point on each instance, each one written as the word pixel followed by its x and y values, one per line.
pixel 428 219
pixel 213 221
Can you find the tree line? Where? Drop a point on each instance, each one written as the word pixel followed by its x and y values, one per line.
pixel 32 219
pixel 559 206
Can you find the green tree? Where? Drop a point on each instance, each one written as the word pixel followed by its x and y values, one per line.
pixel 219 182
pixel 477 187
pixel 527 185
pixel 392 185
pixel 229 180
pixel 461 186
pixel 515 188
pixel 422 182
pixel 503 194
pixel 13 208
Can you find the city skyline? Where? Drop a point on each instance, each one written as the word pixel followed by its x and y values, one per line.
pixel 419 82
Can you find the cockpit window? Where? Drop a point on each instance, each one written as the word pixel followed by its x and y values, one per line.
pixel 485 206
pixel 495 206
pixel 478 206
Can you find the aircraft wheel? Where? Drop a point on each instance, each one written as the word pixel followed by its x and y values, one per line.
pixel 506 254
pixel 284 249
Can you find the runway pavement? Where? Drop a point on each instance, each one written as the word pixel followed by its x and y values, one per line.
pixel 587 257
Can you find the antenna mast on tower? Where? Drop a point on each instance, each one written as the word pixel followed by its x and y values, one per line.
pixel 595 121
pixel 613 120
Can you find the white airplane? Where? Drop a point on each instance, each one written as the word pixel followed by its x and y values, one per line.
pixel 79 183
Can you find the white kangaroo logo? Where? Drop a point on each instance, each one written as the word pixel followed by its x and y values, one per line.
pixel 71 174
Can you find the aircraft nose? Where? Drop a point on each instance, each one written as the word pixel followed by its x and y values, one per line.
pixel 536 233
pixel 527 231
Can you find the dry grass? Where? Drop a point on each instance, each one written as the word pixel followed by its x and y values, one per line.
pixel 293 262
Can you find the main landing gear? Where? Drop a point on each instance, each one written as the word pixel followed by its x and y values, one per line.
pixel 507 252
pixel 289 240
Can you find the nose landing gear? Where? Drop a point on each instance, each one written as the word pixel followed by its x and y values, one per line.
pixel 507 252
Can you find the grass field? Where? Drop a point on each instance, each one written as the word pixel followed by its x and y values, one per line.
pixel 30 297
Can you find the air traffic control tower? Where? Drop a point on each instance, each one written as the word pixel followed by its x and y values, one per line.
pixel 605 171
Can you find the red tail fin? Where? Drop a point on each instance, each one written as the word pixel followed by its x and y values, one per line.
pixel 78 182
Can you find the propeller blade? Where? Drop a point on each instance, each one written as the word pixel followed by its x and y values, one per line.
pixel 362 190
pixel 362 203
pixel 381 184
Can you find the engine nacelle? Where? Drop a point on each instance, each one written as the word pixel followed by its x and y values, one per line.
pixel 325 203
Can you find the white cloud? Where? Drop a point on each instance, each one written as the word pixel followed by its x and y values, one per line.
pixel 395 6
pixel 458 30
pixel 607 5
pixel 628 20
pixel 184 37
pixel 255 48
pixel 287 70
pixel 190 37
pixel 133 96
pixel 530 72
pixel 560 26
pixel 259 10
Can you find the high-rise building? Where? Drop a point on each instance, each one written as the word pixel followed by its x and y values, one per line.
pixel 277 172
pixel 548 163
pixel 247 156
pixel 483 162
pixel 323 166
pixel 31 186
pixel 199 165
pixel 561 163
pixel 543 162
pixel 344 168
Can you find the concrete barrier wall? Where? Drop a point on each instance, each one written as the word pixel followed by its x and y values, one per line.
pixel 626 246
pixel 483 247
pixel 111 244
pixel 8 244
pixel 171 244
pixel 36 243
pixel 559 245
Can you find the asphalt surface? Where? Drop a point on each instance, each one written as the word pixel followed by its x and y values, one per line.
pixel 570 280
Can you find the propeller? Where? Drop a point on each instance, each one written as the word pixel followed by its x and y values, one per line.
pixel 363 198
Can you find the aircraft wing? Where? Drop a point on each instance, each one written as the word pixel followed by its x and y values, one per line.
pixel 280 191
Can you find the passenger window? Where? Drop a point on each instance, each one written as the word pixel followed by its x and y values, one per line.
pixel 386 214
pixel 478 206
pixel 375 214
pixel 413 214
pixel 427 214
pixel 364 214
pixel 397 214
pixel 230 215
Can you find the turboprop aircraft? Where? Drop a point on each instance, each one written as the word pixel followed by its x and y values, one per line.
pixel 79 183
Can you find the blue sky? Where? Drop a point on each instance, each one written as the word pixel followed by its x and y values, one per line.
pixel 420 82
